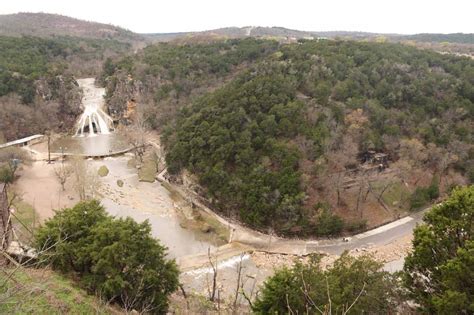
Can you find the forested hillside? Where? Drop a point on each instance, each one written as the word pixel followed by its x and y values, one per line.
pixel 165 77
pixel 38 90
pixel 54 25
pixel 459 38
pixel 312 132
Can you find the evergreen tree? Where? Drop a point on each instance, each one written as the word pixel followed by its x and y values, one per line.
pixel 439 273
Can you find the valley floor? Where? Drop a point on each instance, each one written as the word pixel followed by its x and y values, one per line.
pixel 181 228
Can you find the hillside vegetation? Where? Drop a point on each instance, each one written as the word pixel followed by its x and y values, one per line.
pixel 167 76
pixel 284 142
pixel 117 259
pixel 38 90
pixel 41 291
pixel 54 25
pixel 459 38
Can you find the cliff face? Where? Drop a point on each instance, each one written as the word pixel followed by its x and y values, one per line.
pixel 122 93
pixel 64 90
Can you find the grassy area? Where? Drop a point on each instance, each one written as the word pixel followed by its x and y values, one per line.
pixel 25 220
pixel 147 172
pixel 148 169
pixel 42 291
pixel 201 221
pixel 205 220
pixel 395 196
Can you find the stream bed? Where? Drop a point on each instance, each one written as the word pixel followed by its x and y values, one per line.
pixel 147 201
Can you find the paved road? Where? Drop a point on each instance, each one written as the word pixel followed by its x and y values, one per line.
pixel 255 240
pixel 252 240
pixel 380 236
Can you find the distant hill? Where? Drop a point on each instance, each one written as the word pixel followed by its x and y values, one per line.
pixel 290 34
pixel 237 32
pixel 459 38
pixel 274 32
pixel 51 25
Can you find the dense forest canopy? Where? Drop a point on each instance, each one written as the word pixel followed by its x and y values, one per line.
pixel 459 38
pixel 270 129
pixel 251 142
pixel 38 89
pixel 26 59
pixel 169 75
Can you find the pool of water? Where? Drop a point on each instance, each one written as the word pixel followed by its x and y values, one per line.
pixel 97 145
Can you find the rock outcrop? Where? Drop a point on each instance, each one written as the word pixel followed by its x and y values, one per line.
pixel 64 90
pixel 122 93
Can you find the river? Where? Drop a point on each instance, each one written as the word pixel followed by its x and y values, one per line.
pixel 155 203
pixel 147 201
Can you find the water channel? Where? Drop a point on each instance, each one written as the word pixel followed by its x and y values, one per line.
pixel 141 201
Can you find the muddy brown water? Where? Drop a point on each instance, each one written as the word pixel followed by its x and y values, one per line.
pixel 147 201
pixel 97 145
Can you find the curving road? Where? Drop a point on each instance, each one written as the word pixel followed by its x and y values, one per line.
pixel 254 240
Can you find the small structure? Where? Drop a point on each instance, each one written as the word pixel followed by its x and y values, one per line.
pixel 5 220
pixel 375 158
pixel 23 142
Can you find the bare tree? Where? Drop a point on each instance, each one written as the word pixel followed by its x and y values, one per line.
pixel 12 158
pixel 212 291
pixel 12 279
pixel 87 182
pixel 238 288
pixel 48 135
pixel 136 134
pixel 63 172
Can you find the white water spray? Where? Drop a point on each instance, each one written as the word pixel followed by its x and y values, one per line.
pixel 93 120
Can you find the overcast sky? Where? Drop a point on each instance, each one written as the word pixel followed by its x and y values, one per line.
pixel 156 16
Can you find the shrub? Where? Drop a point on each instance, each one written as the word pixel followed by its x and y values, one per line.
pixel 103 171
pixel 6 175
pixel 422 195
pixel 419 198
pixel 356 226
pixel 329 224
pixel 433 190
pixel 438 273
pixel 117 259
pixel 306 288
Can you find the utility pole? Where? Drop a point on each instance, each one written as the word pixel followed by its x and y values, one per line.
pixel 48 134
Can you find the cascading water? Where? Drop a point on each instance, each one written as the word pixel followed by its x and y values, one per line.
pixel 93 120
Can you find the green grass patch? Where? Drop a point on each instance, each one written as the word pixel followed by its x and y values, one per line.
pixel 103 171
pixel 395 196
pixel 208 226
pixel 206 220
pixel 42 291
pixel 25 220
pixel 147 172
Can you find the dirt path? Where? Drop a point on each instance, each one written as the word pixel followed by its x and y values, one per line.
pixel 39 187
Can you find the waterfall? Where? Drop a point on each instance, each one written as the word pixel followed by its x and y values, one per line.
pixel 93 120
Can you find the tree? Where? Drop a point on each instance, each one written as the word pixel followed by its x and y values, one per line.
pixel 118 259
pixel 350 286
pixel 86 180
pixel 63 172
pixel 10 160
pixel 136 134
pixel 438 274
